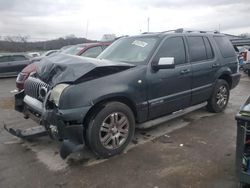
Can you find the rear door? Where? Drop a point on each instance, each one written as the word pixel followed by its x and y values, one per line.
pixel 204 66
pixel 170 89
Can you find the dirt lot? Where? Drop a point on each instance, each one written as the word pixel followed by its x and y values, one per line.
pixel 195 151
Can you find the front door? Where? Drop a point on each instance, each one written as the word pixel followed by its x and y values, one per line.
pixel 169 90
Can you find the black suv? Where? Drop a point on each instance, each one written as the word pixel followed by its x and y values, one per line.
pixel 137 81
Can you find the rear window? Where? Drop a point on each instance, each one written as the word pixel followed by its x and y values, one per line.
pixel 225 46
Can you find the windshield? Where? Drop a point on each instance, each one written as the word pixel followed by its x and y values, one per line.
pixel 131 50
pixel 74 50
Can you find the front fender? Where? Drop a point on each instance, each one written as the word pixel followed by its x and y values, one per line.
pixel 130 84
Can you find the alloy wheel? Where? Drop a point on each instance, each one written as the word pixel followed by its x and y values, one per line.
pixel 114 130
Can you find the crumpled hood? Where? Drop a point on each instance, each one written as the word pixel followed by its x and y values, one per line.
pixel 63 68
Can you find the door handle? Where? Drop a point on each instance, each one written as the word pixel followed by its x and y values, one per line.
pixel 215 65
pixel 185 71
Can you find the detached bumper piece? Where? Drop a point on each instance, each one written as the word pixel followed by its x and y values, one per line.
pixel 70 135
pixel 69 147
pixel 29 133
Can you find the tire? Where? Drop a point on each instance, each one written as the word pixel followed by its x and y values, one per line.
pixel 110 129
pixel 248 72
pixel 220 96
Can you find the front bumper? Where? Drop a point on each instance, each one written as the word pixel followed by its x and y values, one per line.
pixel 62 124
pixel 235 79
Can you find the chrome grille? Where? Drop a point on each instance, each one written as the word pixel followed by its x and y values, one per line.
pixel 32 86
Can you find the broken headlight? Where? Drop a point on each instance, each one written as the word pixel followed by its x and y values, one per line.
pixel 56 93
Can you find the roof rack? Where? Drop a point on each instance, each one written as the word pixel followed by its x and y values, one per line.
pixel 198 31
pixel 181 30
pixel 149 33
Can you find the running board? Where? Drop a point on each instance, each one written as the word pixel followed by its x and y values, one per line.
pixel 176 114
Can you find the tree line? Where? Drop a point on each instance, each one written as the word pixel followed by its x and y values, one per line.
pixel 21 44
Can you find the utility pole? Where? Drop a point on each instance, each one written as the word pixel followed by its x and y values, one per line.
pixel 148 24
pixel 87 28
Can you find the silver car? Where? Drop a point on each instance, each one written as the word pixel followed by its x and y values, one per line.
pixel 12 64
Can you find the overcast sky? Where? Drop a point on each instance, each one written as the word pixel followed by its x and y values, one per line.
pixel 48 19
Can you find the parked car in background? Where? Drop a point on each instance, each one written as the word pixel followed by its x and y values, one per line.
pixel 12 64
pixel 87 50
pixel 34 54
pixel 65 47
pixel 47 53
pixel 246 60
pixel 24 74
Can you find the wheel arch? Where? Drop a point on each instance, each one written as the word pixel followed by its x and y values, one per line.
pixel 227 78
pixel 101 103
pixel 225 74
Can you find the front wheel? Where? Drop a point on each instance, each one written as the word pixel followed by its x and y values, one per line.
pixel 110 129
pixel 220 96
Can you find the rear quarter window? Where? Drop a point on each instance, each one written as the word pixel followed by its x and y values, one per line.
pixel 225 46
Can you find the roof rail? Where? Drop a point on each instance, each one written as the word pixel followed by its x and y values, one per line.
pixel 201 31
pixel 149 32
pixel 181 30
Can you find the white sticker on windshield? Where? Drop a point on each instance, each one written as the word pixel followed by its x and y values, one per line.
pixel 140 43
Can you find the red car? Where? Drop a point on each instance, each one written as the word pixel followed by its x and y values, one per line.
pixel 86 50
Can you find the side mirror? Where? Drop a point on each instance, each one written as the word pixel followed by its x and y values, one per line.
pixel 165 63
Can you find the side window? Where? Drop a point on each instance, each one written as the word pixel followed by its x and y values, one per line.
pixel 197 49
pixel 209 49
pixel 172 47
pixel 92 52
pixel 225 46
pixel 18 58
pixel 4 59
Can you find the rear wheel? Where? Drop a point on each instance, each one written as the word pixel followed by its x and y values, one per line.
pixel 110 129
pixel 220 96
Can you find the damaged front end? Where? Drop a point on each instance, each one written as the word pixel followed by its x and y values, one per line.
pixel 29 133
pixel 41 97
pixel 62 125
